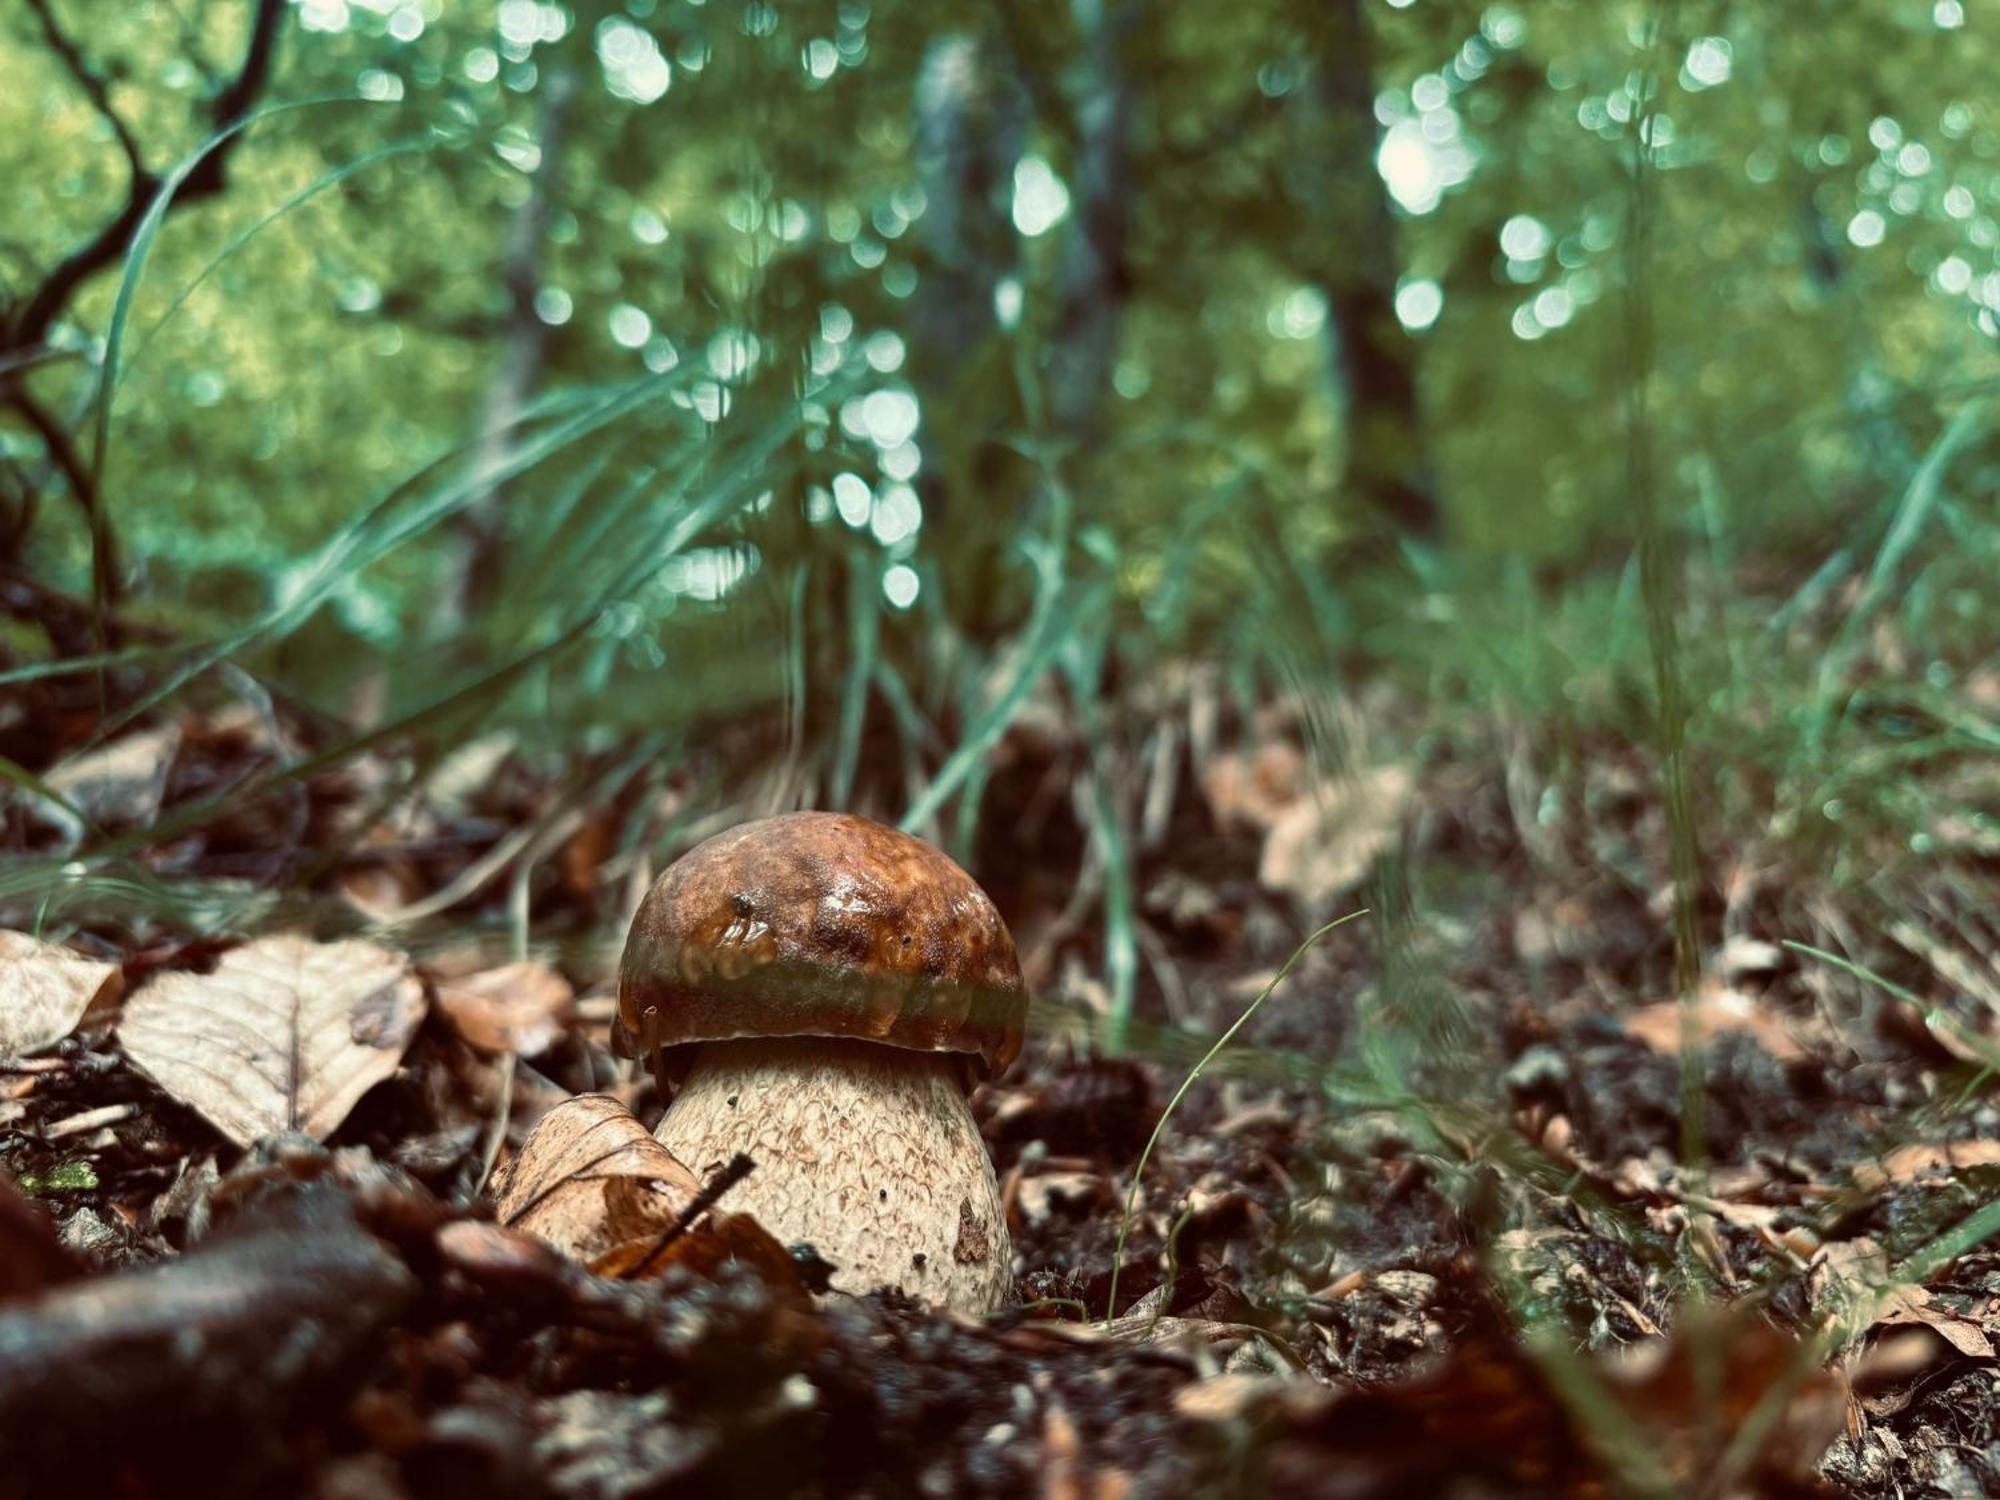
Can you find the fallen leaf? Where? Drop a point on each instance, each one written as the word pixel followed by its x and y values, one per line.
pixel 119 784
pixel 1324 844
pixel 285 1034
pixel 520 1008
pixel 1257 788
pixel 1907 1164
pixel 1913 1306
pixel 46 990
pixel 590 1178
pixel 1717 1010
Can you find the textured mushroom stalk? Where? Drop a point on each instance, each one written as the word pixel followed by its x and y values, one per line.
pixel 869 1153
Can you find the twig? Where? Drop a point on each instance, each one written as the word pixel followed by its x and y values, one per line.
pixel 96 87
pixel 31 325
pixel 497 1133
pixel 62 453
pixel 90 1119
pixel 734 1171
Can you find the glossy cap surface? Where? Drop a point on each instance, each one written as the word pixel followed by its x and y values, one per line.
pixel 820 924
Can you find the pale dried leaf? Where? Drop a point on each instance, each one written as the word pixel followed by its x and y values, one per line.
pixel 1226 1398
pixel 1325 843
pixel 1717 1010
pixel 467 771
pixel 45 991
pixel 590 1178
pixel 1254 789
pixel 286 1034
pixel 1910 1163
pixel 1913 1306
pixel 1845 1279
pixel 120 783
pixel 520 1008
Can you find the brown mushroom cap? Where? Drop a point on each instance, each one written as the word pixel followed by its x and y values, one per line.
pixel 820 924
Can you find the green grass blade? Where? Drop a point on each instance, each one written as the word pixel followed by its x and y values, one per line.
pixel 1194 1073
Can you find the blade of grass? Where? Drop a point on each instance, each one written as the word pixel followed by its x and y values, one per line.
pixel 1187 1083
pixel 1913 511
pixel 1083 666
pixel 1935 1017
pixel 29 782
pixel 864 622
pixel 333 178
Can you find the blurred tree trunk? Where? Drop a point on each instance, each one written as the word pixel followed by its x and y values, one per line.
pixel 976 96
pixel 1095 279
pixel 971 128
pixel 480 546
pixel 1349 253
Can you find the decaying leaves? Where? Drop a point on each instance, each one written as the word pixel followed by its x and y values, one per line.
pixel 1852 1281
pixel 46 990
pixel 1717 1009
pixel 521 1008
pixel 591 1182
pixel 590 1178
pixel 1919 1160
pixel 285 1034
pixel 1323 844
pixel 116 785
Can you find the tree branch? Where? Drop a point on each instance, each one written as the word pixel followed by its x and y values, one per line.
pixel 96 87
pixel 229 107
pixel 62 452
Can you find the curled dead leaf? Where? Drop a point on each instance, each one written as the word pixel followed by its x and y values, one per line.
pixel 46 990
pixel 1912 1306
pixel 590 1178
pixel 591 1182
pixel 285 1034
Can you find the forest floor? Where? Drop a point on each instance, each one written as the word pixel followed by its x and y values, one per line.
pixel 1432 1227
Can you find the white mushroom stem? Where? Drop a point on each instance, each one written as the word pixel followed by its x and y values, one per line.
pixel 866 1152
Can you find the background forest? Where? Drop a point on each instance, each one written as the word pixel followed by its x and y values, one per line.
pixel 1525 469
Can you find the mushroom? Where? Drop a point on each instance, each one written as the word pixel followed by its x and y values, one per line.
pixel 827 989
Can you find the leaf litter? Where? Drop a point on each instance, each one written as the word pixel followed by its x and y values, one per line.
pixel 1317 1297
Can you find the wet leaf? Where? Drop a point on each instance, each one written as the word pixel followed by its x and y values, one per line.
pixel 285 1034
pixel 46 990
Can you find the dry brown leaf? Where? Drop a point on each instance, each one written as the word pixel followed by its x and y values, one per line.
pixel 1717 1010
pixel 1324 844
pixel 286 1034
pixel 1903 1306
pixel 1907 1164
pixel 520 1008
pixel 46 990
pixel 590 1179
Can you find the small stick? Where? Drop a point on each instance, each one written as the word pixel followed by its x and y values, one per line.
pixel 90 1119
pixel 734 1171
